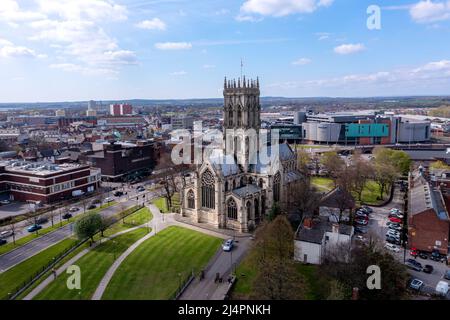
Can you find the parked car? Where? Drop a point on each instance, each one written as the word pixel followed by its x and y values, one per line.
pixel 361 229
pixel 442 288
pixel 395 219
pixel 416 284
pixel 5 202
pixel 67 216
pixel 361 222
pixel 414 252
pixel 392 247
pixel 228 245
pixel 428 268
pixel 42 220
pixel 3 241
pixel 396 215
pixel 395 210
pixel 412 264
pixel 140 189
pixel 109 199
pixel 447 274
pixel 367 209
pixel 6 234
pixel 423 255
pixel 361 214
pixel 389 224
pixel 392 240
pixel 436 256
pixel 393 233
pixel 91 206
pixel 118 193
pixel 34 227
pixel 395 227
pixel 74 209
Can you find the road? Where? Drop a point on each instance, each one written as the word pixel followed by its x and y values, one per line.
pixel 377 228
pixel 222 263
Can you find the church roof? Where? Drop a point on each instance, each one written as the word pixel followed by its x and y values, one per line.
pixel 285 153
pixel 246 190
pixel 225 164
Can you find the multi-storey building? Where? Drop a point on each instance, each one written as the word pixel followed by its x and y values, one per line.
pixel 46 182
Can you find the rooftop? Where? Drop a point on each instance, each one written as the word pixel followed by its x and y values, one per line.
pixel 320 225
pixel 423 196
pixel 38 168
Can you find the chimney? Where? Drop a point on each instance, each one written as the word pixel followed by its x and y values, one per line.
pixel 355 294
pixel 307 223
pixel 335 228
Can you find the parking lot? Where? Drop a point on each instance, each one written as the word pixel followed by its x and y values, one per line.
pixel 14 209
pixel 377 228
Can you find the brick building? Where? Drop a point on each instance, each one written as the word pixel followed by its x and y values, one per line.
pixel 119 161
pixel 46 182
pixel 428 219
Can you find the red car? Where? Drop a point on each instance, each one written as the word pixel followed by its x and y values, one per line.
pixel 396 220
pixel 414 252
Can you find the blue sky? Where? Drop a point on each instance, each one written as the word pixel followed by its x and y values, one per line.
pixel 65 50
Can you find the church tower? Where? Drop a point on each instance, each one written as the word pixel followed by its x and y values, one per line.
pixel 242 120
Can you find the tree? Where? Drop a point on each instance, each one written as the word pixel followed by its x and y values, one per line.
pixel 106 223
pixel 302 197
pixel 123 212
pixel 168 180
pixel 337 290
pixel 361 171
pixel 332 163
pixel 439 165
pixel 278 278
pixel 303 160
pixel 274 211
pixel 353 273
pixel 88 226
pixel 385 175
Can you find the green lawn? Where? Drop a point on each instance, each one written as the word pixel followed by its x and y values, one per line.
pixel 161 203
pixel 22 272
pixel 369 196
pixel 23 240
pixel 138 218
pixel 322 184
pixel 153 271
pixel 93 267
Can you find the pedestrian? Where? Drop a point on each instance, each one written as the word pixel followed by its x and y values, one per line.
pixel 54 273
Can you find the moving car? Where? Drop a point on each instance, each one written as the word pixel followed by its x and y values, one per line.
pixel 67 216
pixel 5 202
pixel 140 189
pixel 2 242
pixel 428 268
pixel 109 199
pixel 74 209
pixel 118 194
pixel 34 227
pixel 392 247
pixel 416 284
pixel 42 220
pixel 228 245
pixel 91 206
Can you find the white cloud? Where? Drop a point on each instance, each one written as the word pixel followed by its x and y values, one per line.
pixel 9 50
pixel 301 62
pixel 10 12
pixel 431 72
pixel 208 66
pixel 323 35
pixel 279 8
pixel 153 24
pixel 221 12
pixel 90 71
pixel 428 11
pixel 350 48
pixel 178 73
pixel 173 45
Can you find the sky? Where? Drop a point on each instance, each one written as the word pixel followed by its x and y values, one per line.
pixel 77 50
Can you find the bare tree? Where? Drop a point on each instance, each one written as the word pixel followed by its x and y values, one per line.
pixel 333 164
pixel 302 197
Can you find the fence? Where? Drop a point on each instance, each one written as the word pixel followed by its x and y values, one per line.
pixel 25 285
pixel 183 285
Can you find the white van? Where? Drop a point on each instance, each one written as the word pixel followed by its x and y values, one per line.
pixel 442 288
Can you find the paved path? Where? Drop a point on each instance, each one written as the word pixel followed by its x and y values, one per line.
pixel 64 267
pixel 22 253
